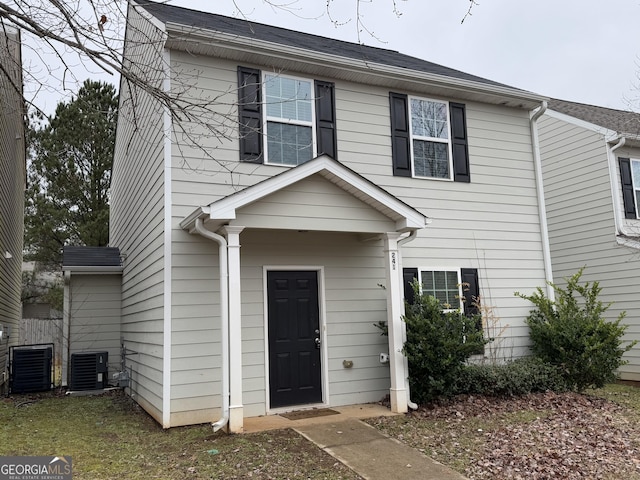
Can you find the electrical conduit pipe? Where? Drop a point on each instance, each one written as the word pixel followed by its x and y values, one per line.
pixel 224 318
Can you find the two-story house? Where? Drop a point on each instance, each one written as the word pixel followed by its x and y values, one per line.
pixel 591 167
pixel 12 184
pixel 265 234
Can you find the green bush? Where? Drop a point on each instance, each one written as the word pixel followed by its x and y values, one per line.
pixel 519 377
pixel 438 344
pixel 572 333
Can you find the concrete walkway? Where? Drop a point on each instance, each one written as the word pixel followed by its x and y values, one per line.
pixel 373 455
pixel 361 447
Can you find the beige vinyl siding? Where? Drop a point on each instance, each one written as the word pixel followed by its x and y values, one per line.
pixel 95 316
pixel 137 216
pixel 12 184
pixel 491 224
pixel 581 222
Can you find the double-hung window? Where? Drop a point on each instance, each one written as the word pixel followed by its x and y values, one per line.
pixel 430 147
pixel 455 288
pixel 289 106
pixel 429 138
pixel 445 285
pixel 284 120
pixel 630 180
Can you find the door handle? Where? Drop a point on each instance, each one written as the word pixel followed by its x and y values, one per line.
pixel 317 340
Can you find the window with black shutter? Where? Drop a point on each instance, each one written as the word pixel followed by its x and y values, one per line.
pixel 630 180
pixel 285 120
pixel 429 138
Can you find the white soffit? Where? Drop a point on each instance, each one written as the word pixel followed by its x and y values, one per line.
pixel 406 217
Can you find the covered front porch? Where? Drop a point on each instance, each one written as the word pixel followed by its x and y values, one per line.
pixel 320 265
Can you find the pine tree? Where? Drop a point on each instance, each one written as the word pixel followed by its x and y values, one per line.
pixel 69 174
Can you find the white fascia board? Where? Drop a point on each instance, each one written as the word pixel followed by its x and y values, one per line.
pixel 189 221
pixel 628 242
pixel 145 14
pixel 91 270
pixel 608 134
pixel 226 208
pixel 251 45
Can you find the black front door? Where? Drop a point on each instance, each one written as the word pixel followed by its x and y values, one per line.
pixel 294 336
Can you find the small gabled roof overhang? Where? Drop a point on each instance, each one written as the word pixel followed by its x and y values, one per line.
pixel 91 259
pixel 222 211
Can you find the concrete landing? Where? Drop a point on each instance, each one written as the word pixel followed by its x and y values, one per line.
pixel 373 455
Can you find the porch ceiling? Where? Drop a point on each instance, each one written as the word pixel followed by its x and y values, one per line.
pixel 400 216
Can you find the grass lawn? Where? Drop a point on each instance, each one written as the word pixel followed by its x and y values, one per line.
pixel 110 437
pixel 543 436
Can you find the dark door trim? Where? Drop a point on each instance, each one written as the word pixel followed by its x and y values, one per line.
pixel 319 270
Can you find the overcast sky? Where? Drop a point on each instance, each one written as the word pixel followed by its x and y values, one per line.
pixel 585 51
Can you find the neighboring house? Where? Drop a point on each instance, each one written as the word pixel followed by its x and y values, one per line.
pixel 591 165
pixel 258 259
pixel 12 185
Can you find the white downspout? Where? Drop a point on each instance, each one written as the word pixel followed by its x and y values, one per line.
pixel 542 211
pixel 615 188
pixel 411 404
pixel 224 318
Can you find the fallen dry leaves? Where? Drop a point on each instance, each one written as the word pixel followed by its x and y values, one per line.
pixel 539 436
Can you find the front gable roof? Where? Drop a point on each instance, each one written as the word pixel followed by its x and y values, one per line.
pixel 220 212
pixel 207 33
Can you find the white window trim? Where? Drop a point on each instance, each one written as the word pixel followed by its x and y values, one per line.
pixel 266 118
pixel 430 139
pixel 636 188
pixel 445 269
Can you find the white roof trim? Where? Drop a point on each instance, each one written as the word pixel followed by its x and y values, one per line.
pixel 92 269
pixel 406 217
pixel 612 134
pixel 242 43
pixel 628 242
pixel 609 135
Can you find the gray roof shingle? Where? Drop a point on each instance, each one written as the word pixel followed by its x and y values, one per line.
pixel 244 28
pixel 618 120
pixel 90 257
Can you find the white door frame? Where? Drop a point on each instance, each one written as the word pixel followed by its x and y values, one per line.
pixel 324 371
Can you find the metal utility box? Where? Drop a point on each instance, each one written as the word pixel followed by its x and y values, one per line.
pixel 88 370
pixel 31 368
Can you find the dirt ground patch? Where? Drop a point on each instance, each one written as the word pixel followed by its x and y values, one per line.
pixel 541 436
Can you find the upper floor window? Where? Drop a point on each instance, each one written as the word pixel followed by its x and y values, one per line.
pixel 284 120
pixel 289 119
pixel 429 138
pixel 635 168
pixel 630 180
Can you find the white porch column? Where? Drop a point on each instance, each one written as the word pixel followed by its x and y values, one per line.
pixel 399 373
pixel 236 414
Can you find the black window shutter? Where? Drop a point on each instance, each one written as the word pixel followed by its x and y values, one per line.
pixel 627 188
pixel 400 141
pixel 459 144
pixel 470 290
pixel 250 111
pixel 409 275
pixel 326 119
